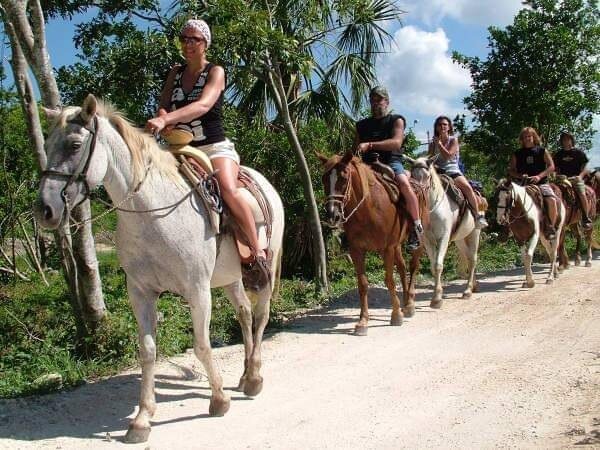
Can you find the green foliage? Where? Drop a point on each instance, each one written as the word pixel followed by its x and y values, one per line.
pixel 542 71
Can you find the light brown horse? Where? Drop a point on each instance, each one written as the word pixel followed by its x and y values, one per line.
pixel 573 223
pixel 359 203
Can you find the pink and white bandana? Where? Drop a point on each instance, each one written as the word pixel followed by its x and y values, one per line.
pixel 200 26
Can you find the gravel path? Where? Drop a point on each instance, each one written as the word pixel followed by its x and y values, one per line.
pixel 510 368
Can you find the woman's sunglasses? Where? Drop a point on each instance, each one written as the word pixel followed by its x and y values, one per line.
pixel 190 40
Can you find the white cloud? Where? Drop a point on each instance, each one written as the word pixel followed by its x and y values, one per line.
pixel 479 12
pixel 420 75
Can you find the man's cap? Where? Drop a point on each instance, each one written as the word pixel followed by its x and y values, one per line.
pixel 381 91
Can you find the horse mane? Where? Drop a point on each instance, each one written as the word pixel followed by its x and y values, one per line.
pixel 143 148
pixel 365 175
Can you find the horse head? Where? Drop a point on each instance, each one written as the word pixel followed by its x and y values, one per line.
pixel 506 201
pixel 75 165
pixel 336 181
pixel 421 169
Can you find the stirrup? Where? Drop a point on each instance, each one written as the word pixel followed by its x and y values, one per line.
pixel 413 242
pixel 256 274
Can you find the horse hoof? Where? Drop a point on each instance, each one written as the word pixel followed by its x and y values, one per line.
pixel 577 263
pixel 396 321
pixel 435 304
pixel 253 386
pixel 218 407
pixel 408 311
pixel 137 435
pixel 527 285
pixel 588 264
pixel 242 384
pixel 549 281
pixel 467 295
pixel 360 330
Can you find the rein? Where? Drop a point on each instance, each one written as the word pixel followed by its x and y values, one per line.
pixel 342 200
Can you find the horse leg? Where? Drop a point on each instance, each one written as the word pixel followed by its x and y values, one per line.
pixel 254 381
pixel 243 309
pixel 415 262
pixel 437 268
pixel 552 248
pixel 358 258
pixel 408 304
pixel 468 250
pixel 389 257
pixel 143 304
pixel 200 305
pixel 588 240
pixel 527 256
pixel 578 233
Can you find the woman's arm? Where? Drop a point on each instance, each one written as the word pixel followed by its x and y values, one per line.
pixel 450 151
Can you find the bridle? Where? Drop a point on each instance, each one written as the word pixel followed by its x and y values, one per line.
pixel 341 200
pixel 80 173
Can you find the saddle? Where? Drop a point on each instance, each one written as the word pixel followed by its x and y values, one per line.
pixel 385 175
pixel 535 192
pixel 197 168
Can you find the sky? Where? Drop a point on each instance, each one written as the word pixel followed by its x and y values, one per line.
pixel 421 78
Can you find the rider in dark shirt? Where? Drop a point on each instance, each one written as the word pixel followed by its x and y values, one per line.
pixel 383 134
pixel 570 162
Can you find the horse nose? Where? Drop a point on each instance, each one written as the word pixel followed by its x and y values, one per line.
pixel 46 214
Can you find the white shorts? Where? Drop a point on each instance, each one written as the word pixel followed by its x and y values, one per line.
pixel 223 149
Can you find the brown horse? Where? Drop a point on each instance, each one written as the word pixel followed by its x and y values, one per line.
pixel 573 223
pixel 359 203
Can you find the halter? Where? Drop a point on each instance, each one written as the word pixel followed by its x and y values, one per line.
pixel 342 200
pixel 80 173
pixel 508 208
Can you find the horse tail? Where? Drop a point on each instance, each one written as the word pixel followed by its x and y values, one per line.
pixel 277 277
pixel 595 244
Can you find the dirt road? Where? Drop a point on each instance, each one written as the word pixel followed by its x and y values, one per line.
pixel 510 368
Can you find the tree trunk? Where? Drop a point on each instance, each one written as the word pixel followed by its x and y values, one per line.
pixel 319 252
pixel 24 22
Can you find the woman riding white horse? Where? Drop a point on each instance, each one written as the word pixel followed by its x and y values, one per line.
pixel 444 213
pixel 168 245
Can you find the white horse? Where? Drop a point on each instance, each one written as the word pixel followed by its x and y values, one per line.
pixel 171 249
pixel 517 210
pixel 444 213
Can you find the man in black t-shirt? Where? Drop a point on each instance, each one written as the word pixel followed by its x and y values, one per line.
pixel 570 162
pixel 382 135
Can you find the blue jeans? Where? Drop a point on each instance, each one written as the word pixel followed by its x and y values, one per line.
pixel 396 164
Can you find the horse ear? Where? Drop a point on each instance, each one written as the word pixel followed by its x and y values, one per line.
pixel 409 160
pixel 322 157
pixel 51 114
pixel 347 157
pixel 88 110
pixel 430 160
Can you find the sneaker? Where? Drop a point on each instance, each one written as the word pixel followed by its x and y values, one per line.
pixel 480 222
pixel 413 239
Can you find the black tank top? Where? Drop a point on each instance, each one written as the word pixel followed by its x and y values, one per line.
pixel 208 128
pixel 375 130
pixel 530 161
